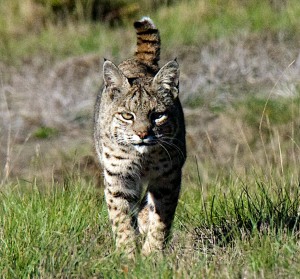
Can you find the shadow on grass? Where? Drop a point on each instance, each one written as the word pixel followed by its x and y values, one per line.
pixel 266 212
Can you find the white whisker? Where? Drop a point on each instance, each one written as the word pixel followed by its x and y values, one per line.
pixel 161 144
pixel 175 146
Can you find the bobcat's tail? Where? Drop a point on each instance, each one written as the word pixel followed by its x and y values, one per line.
pixel 148 42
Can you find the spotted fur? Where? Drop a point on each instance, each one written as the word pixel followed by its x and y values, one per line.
pixel 139 136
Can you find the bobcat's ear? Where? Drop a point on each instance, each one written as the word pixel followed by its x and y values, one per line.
pixel 113 76
pixel 167 79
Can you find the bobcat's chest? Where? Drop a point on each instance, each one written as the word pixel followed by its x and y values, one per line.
pixel 157 163
pixel 146 166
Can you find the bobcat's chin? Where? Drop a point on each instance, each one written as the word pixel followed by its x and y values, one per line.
pixel 145 146
pixel 142 148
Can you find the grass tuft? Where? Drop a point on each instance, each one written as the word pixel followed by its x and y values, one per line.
pixel 45 132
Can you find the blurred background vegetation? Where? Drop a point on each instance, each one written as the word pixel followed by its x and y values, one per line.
pixel 240 69
pixel 31 26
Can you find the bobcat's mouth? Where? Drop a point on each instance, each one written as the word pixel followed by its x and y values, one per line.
pixel 145 143
pixel 149 141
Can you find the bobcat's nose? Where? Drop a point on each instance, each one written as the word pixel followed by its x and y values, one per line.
pixel 142 134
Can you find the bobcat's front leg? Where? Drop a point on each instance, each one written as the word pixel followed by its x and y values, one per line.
pixel 162 198
pixel 121 208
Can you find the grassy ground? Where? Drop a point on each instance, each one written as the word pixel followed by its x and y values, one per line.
pixel 234 227
pixel 239 209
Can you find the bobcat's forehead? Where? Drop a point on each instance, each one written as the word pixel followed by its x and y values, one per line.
pixel 142 98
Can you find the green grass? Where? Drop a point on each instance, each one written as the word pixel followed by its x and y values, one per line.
pixel 59 42
pixel 51 231
pixel 226 228
pixel 45 132
pixel 275 111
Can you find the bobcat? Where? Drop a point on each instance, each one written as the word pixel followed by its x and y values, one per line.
pixel 139 136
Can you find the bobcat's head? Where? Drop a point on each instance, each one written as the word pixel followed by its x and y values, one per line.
pixel 143 113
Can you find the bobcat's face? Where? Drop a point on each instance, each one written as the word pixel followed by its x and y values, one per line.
pixel 144 113
pixel 145 124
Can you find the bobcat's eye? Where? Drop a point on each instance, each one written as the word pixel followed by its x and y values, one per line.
pixel 160 118
pixel 127 116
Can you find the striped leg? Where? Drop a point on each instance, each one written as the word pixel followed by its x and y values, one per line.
pixel 162 198
pixel 121 209
pixel 143 216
